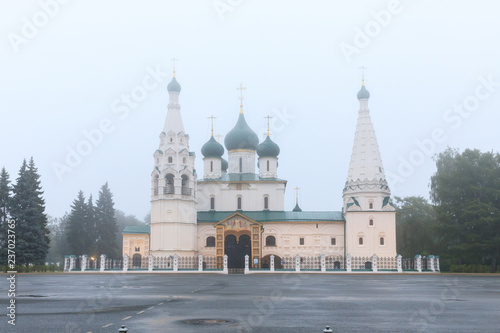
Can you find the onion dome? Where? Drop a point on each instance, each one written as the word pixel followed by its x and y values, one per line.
pixel 212 148
pixel 363 93
pixel 174 86
pixel 224 165
pixel 268 148
pixel 241 136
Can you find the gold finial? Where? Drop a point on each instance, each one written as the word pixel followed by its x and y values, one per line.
pixel 362 75
pixel 268 118
pixel 174 60
pixel 218 136
pixel 241 88
pixel 212 123
pixel 297 195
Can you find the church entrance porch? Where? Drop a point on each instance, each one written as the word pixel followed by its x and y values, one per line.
pixel 236 248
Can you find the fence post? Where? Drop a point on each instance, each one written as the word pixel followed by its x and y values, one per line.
pixel 200 263
pixel 297 263
pixel 176 263
pixel 150 262
pixel 374 263
pixel 72 259
pixel 123 329
pixel 66 263
pixel 348 262
pixel 271 263
pixel 323 263
pixel 225 264
pixel 85 260
pixel 437 264
pixel 103 263
pixel 399 263
pixel 246 263
pixel 419 263
pixel 327 329
pixel 125 263
pixel 431 262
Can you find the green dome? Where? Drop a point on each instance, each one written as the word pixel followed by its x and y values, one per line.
pixel 363 93
pixel 224 165
pixel 241 136
pixel 268 148
pixel 212 148
pixel 174 86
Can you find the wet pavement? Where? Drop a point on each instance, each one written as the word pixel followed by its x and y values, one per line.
pixel 253 303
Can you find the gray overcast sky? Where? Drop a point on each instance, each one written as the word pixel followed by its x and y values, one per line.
pixel 64 70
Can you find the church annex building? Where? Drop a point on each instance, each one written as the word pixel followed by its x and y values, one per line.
pixel 237 207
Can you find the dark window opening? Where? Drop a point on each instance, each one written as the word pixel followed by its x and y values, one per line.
pixel 270 241
pixel 360 240
pixel 210 241
pixel 266 203
pixel 333 241
pixel 239 202
pixel 301 241
pixel 212 203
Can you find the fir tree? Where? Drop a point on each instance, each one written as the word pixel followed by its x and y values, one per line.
pixel 90 228
pixel 27 208
pixel 106 226
pixel 5 191
pixel 75 234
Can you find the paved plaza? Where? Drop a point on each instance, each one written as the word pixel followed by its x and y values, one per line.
pixel 254 303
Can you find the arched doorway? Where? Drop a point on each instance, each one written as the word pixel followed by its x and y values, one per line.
pixel 266 262
pixel 236 249
pixel 136 260
pixel 368 265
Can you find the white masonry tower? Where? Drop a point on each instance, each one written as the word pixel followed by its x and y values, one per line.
pixel 368 210
pixel 173 186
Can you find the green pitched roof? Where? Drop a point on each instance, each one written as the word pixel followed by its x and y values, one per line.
pixel 241 177
pixel 270 216
pixel 136 229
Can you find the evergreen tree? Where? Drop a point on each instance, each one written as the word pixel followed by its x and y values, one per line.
pixel 106 226
pixel 90 228
pixel 75 234
pixel 27 208
pixel 5 191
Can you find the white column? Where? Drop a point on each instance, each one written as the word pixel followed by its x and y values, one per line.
pixel 246 264
pixel 72 262
pixel 437 263
pixel 418 258
pixel 150 262
pixel 103 263
pixel 374 263
pixel 431 262
pixel 85 259
pixel 176 263
pixel 271 264
pixel 66 263
pixel 297 263
pixel 125 263
pixel 399 263
pixel 225 263
pixel 323 263
pixel 348 262
pixel 200 263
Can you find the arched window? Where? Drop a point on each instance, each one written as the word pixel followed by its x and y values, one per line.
pixel 360 240
pixel 185 185
pixel 211 166
pixel 155 184
pixel 266 202
pixel 267 165
pixel 270 241
pixel 184 160
pixel 170 159
pixel 371 222
pixel 136 260
pixel 371 205
pixel 171 140
pixel 241 164
pixel 212 203
pixel 210 241
pixel 169 184
pixel 239 203
pixel 382 241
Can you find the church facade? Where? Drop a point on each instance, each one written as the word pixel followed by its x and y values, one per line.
pixel 237 206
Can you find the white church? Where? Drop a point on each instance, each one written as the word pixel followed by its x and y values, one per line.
pixel 237 206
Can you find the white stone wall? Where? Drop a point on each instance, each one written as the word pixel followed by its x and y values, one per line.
pixel 273 167
pixel 248 161
pixel 212 168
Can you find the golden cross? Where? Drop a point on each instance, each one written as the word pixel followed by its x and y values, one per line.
pixel 268 118
pixel 218 137
pixel 212 123
pixel 173 61
pixel 363 68
pixel 241 88
pixel 297 195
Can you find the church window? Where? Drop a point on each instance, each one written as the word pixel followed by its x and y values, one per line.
pixel 270 241
pixel 184 160
pixel 137 249
pixel 371 222
pixel 169 184
pixel 266 202
pixel 211 166
pixel 212 203
pixel 239 203
pixel 170 159
pixel 241 164
pixel 360 240
pixel 382 241
pixel 301 241
pixel 185 190
pixel 210 241
pixel 371 205
pixel 267 165
pixel 333 241
pixel 316 226
pixel 171 140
